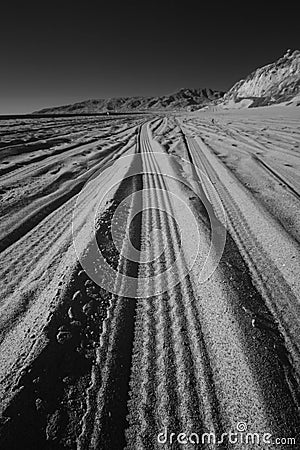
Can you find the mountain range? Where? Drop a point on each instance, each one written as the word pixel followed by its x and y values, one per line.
pixel 278 82
pixel 188 99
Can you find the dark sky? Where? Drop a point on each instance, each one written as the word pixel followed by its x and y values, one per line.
pixel 53 54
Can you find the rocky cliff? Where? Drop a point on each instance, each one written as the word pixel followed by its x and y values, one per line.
pixel 274 83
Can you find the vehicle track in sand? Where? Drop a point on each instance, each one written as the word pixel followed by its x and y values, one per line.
pixel 270 280
pixel 196 358
pixel 191 397
pixel 80 307
pixel 175 376
pixel 52 197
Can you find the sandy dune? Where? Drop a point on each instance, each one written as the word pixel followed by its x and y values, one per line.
pixel 186 340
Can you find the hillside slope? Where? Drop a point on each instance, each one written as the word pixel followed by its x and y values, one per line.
pixel 274 83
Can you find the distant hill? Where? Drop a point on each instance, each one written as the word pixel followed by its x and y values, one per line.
pixel 274 83
pixel 184 99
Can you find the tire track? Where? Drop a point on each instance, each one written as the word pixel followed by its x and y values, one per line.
pixel 117 371
pixel 182 401
pixel 104 422
pixel 56 200
pixel 56 404
pixel 277 176
pixel 266 276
